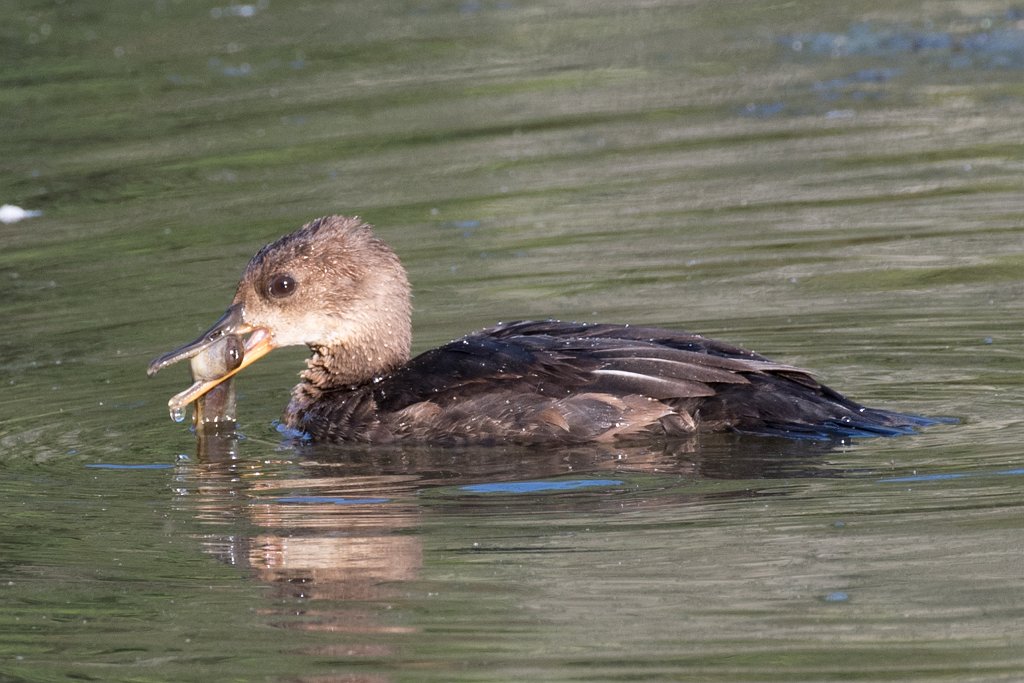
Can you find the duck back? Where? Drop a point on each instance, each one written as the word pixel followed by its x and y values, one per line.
pixel 558 382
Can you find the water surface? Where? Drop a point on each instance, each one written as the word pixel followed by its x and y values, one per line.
pixel 836 187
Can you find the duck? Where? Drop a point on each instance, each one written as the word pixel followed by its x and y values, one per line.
pixel 335 287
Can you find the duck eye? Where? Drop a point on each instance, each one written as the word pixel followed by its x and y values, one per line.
pixel 281 286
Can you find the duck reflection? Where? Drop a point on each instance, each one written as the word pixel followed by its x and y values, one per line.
pixel 351 540
pixel 332 548
pixel 323 522
pixel 311 536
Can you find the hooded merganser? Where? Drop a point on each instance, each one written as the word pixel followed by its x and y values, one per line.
pixel 333 286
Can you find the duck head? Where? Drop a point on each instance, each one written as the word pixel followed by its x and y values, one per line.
pixel 331 285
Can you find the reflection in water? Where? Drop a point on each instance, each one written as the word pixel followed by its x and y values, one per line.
pixel 314 536
pixel 706 456
pixel 317 540
pixel 325 523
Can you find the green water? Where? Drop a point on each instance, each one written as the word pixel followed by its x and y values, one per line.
pixel 832 185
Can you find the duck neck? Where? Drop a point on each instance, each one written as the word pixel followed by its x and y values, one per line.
pixel 347 366
pixel 336 368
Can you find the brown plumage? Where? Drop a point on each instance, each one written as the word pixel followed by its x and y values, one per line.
pixel 335 287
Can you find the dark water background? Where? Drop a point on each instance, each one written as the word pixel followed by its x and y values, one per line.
pixel 836 185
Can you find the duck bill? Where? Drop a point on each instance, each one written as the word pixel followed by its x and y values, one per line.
pixel 230 323
pixel 259 343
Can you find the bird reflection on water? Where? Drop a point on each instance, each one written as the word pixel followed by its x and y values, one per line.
pixel 326 522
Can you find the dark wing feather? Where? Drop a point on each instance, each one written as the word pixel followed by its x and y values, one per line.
pixel 555 359
pixel 481 363
pixel 551 381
